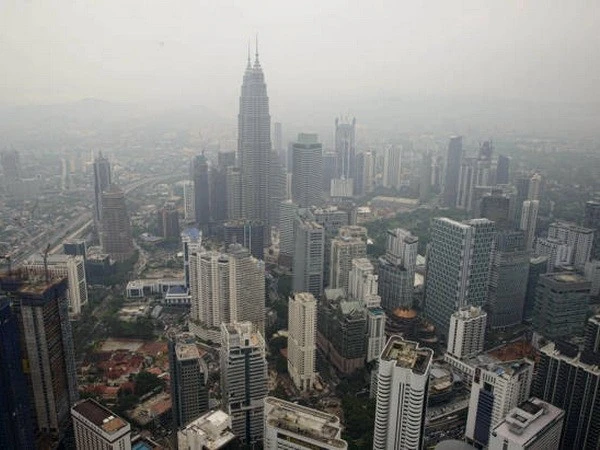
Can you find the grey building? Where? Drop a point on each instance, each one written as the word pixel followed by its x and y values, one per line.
pixel 234 193
pixel 309 238
pixel 350 243
pixel 288 211
pixel 538 265
pixel 200 178
pixel 307 153
pixel 345 148
pixel 102 180
pixel 250 234
pixel 503 170
pixel 453 161
pixel 592 220
pixel 115 232
pixel 457 268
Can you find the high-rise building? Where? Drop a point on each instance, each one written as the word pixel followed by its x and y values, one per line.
pixel 453 160
pixel 508 279
pixel 218 188
pixel 234 193
pixel 115 233
pixel 330 163
pixel 278 180
pixel 365 173
pixel 578 238
pixel 254 142
pixel 528 223
pixel 210 431
pixel 42 310
pixel 16 423
pixel 402 388
pixel 302 339
pixel 191 240
pixel 570 380
pixel 495 390
pixel 278 142
pixel 496 207
pixel 168 222
pixel 97 427
pixel 534 424
pixel 250 234
pixel 11 165
pixel 467 332
pixel 226 287
pixel 307 153
pixel 200 178
pixel 189 199
pixel 557 252
pixel 561 304
pixel 592 220
pixel 344 248
pixel 592 274
pixel 592 335
pixel 538 265
pixel 295 427
pixel 308 257
pixel 244 379
pixel 345 147
pixel 392 172
pixel 457 268
pixel 397 270
pixel 189 374
pixel 102 181
pixel 425 173
pixel 503 170
pixel 466 183
pixel 535 187
pixel 288 211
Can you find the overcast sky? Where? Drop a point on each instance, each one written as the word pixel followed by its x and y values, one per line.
pixel 194 51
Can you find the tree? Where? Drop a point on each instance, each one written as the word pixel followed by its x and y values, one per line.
pixel 146 382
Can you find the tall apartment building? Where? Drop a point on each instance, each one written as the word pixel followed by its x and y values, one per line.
pixel 453 160
pixel 495 390
pixel 307 153
pixel 210 431
pixel 467 332
pixel 302 340
pixel 308 256
pixel 457 268
pixel 528 222
pixel 226 287
pixel 402 389
pixel 102 180
pixel 97 427
pixel 344 248
pixel 189 373
pixel 42 310
pixel 557 252
pixel 570 380
pixel 288 211
pixel 534 424
pixel 509 270
pixel 70 267
pixel 561 304
pixel 168 221
pixel 295 427
pixel 191 240
pixel 397 270
pixel 392 176
pixel 244 379
pixel 345 149
pixel 578 238
pixel 365 173
pixel 115 231
pixel 535 187
pixel 189 207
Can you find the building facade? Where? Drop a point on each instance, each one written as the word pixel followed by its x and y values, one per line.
pixel 467 332
pixel 307 153
pixel 115 233
pixel 302 340
pixel 308 256
pixel 97 427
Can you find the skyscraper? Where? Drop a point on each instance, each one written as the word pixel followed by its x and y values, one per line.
pixel 467 332
pixel 393 160
pixel 287 216
pixel 191 239
pixel 102 180
pixel 244 379
pixel 344 248
pixel 580 239
pixel 249 234
pixel 538 265
pixel 402 385
pixel 528 223
pixel 592 220
pixel 97 427
pixel 234 193
pixel 200 178
pixel 457 268
pixel 168 221
pixel 115 234
pixel 345 148
pixel 503 170
pixel 189 374
pixel 307 153
pixel 307 263
pixel 278 142
pixel 496 206
pixel 302 340
pixel 453 160
pixel 254 142
pixel 188 202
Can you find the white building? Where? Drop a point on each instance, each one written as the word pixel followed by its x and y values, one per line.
pixel 294 427
pixel 244 379
pixel 467 332
pixel 210 431
pixel 559 253
pixel 71 267
pixel 191 240
pixel 578 238
pixel 402 384
pixel 528 223
pixel 302 339
pixel 534 424
pixel 189 212
pixel 362 283
pixel 341 187
pixel 344 249
pixel 392 167
pixel 96 427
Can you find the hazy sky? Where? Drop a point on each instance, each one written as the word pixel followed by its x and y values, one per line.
pixel 194 51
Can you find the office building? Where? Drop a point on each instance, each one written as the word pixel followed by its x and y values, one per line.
pixel 535 187
pixel 244 380
pixel 364 182
pixel 503 170
pixel 247 233
pixel 592 335
pixel 538 265
pixel 466 183
pixel 392 175
pixel 115 231
pixel 295 427
pixel 97 427
pixel 210 431
pixel 200 178
pixel 561 304
pixel 508 279
pixel 302 340
pixel 11 165
pixel 218 186
pixel 425 174
pixel 254 142
pixel 592 274
pixel 453 161
pixel 226 287
pixel 558 253
pixel 592 220
pixel 397 270
pixel 278 142
pixel 341 331
pixel 102 181
pixel 579 239
pixel 496 388
pixel 308 257
pixel 168 222
pixel 496 206
pixel 341 188
pixel 288 211
pixel 191 240
pixel 344 248
pixel 234 193
pixel 534 424
pixel 330 163
pixel 189 199
pixel 278 183
pixel 570 380
pixel 457 268
pixel 467 332
pixel 307 153
pixel 189 373
pixel 402 389
pixel 42 310
pixel 345 149
pixel 16 424
pixel 75 247
pixel 362 282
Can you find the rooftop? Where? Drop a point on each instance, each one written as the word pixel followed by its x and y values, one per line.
pixel 566 277
pixel 214 427
pixel 187 351
pixel 100 416
pixel 407 354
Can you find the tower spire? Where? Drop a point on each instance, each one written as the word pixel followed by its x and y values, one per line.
pixel 249 63
pixel 256 61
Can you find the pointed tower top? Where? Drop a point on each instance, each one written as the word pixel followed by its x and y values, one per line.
pixel 249 63
pixel 256 56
